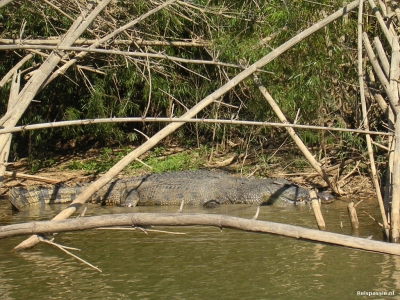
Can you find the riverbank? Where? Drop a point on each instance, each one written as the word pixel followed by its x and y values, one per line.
pixel 86 166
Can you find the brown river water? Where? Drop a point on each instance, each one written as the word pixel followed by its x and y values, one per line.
pixel 205 263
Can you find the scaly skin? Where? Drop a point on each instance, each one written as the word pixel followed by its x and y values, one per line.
pixel 193 187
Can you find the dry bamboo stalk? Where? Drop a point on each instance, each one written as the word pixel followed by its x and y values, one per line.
pixel 387 16
pixel 378 15
pixel 374 174
pixel 381 76
pixel 108 37
pixel 58 9
pixel 380 146
pixel 36 82
pixel 328 170
pixel 383 7
pixel 381 102
pixel 184 219
pixel 31 177
pixel 394 210
pixel 5 2
pixel 394 75
pixel 382 56
pixel 140 42
pixel 316 206
pixel 8 136
pixel 383 59
pixel 307 154
pixel 79 67
pixel 117 52
pixel 395 179
pixel 397 12
pixel 389 168
pixel 15 68
pixel 87 193
pixel 353 216
pixel 186 120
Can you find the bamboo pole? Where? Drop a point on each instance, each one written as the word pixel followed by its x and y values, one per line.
pixel 35 83
pixel 87 193
pixel 389 170
pixel 15 68
pixel 15 85
pixel 394 75
pixel 381 76
pixel 391 120
pixel 140 42
pixel 394 209
pixel 382 56
pixel 118 52
pixel 307 154
pixel 378 15
pixel 391 127
pixel 183 219
pixel 5 2
pixel 186 120
pixel 106 38
pixel 374 174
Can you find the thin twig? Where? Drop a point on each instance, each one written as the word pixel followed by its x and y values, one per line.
pixel 257 212
pixel 63 248
pixel 355 205
pixel 380 224
pixel 82 214
pixel 134 228
pixel 181 207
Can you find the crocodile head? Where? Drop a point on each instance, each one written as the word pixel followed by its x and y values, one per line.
pixel 324 198
pixel 287 191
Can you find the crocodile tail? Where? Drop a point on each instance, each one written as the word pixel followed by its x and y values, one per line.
pixel 23 196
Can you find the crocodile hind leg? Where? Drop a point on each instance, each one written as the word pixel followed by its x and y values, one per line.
pixel 129 198
pixel 211 204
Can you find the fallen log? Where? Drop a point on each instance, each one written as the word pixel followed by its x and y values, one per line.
pixel 173 219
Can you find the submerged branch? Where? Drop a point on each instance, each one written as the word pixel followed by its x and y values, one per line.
pixel 173 219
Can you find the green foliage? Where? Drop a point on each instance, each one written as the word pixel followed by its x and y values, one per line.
pixel 172 163
pixel 106 159
pixel 156 160
pixel 306 81
pixel 37 164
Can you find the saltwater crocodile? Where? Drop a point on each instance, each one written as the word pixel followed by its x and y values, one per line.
pixel 193 187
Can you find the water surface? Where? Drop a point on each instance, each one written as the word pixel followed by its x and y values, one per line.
pixel 205 263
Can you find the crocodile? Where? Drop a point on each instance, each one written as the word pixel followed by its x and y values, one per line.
pixel 199 187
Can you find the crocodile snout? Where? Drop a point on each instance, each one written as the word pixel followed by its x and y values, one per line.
pixel 326 198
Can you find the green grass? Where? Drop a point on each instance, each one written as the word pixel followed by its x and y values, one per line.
pixel 156 160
